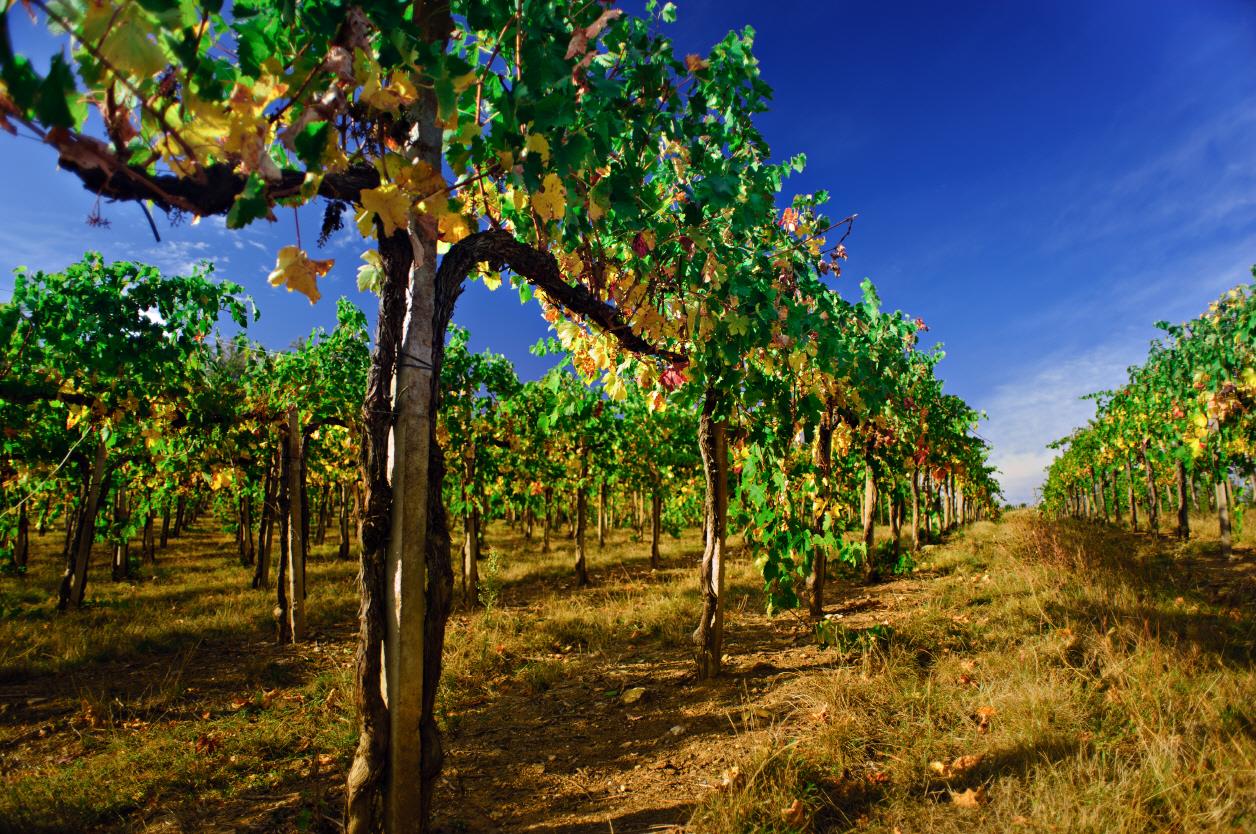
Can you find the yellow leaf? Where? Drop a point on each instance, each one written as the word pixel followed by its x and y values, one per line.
pixel 129 42
pixel 298 272
pixel 615 388
pixel 551 201
pixel 537 143
pixel 389 203
pixel 596 209
pixel 453 228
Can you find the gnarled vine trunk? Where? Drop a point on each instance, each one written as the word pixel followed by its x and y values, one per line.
pixel 713 445
pixel 1129 493
pixel 871 571
pixel 266 528
pixel 656 525
pixel 582 567
pixel 1183 511
pixel 346 498
pixel 1223 518
pixel 601 514
pixel 295 535
pixel 915 509
pixel 22 541
pixel 74 580
pixel 820 557
pixel 1153 498
pixel 121 548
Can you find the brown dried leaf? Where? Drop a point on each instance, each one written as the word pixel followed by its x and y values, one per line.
pixel 732 779
pixel 580 38
pixel 971 798
pixel 795 814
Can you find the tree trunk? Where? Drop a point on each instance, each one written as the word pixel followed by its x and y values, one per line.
pixel 601 514
pixel 324 515
pixel 896 523
pixel 709 635
pixel 346 497
pixel 820 556
pixel 871 572
pixel 470 557
pixel 304 541
pixel 41 526
pixel 1183 514
pixel 582 570
pixel 1129 492
pixel 121 547
pixel 1116 499
pixel 71 518
pixel 22 542
pixel 265 532
pixel 292 525
pixel 1153 498
pixel 165 523
pixel 915 509
pixel 406 577
pixel 74 580
pixel 548 525
pixel 180 516
pixel 247 553
pixel 148 542
pixel 1223 519
pixel 656 526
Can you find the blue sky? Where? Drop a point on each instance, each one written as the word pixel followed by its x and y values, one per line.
pixel 1040 181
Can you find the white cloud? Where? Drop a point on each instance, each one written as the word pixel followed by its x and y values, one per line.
pixel 180 257
pixel 1044 404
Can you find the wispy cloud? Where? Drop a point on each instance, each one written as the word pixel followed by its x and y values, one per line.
pixel 1044 404
pixel 180 257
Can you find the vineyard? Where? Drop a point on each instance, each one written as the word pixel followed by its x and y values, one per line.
pixel 738 560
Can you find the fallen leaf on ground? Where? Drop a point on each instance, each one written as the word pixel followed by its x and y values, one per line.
pixel 795 814
pixel 982 716
pixel 733 779
pixel 971 798
pixel 632 696
pixel 957 767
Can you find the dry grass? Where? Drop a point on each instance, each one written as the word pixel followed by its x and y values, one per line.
pixel 1114 673
pixel 165 701
pixel 1116 679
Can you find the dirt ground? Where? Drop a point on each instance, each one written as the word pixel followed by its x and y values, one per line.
pixel 625 741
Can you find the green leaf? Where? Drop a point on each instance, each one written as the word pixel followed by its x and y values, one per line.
pixel 250 204
pixel 311 143
pixel 22 81
pixel 59 104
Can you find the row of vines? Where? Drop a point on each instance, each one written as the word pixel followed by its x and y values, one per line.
pixel 710 369
pixel 1180 426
